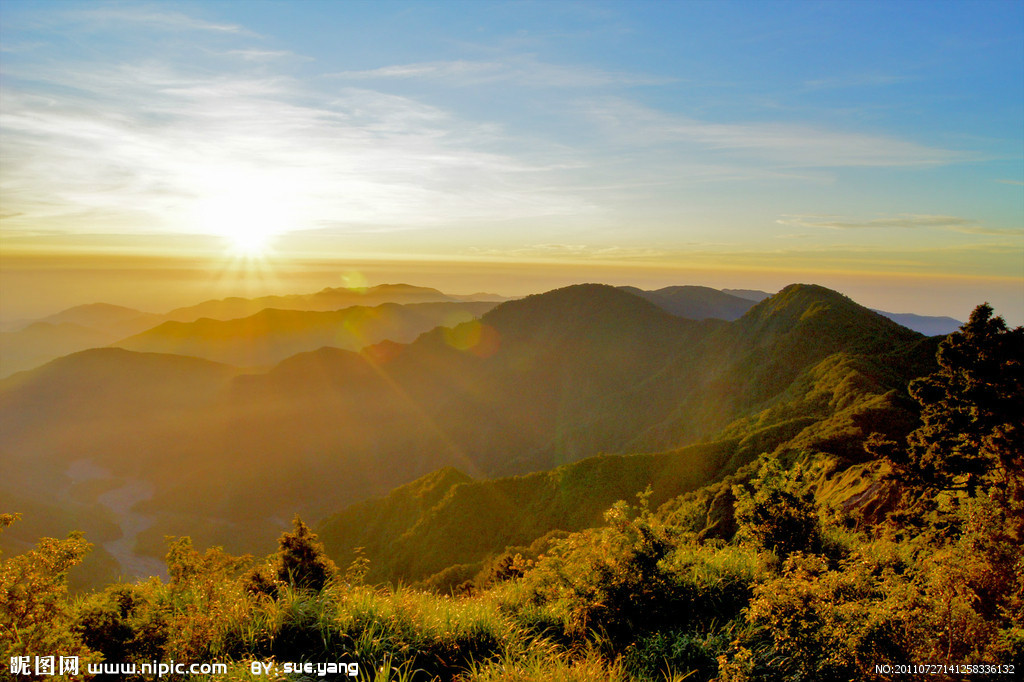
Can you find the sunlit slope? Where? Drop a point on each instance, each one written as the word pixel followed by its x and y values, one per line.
pixel 445 519
pixel 826 411
pixel 272 335
pixel 534 384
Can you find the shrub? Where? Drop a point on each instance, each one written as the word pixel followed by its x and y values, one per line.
pixel 34 615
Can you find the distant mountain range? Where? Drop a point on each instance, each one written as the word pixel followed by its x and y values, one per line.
pixel 227 455
pixel 242 343
pixel 272 335
pixel 325 299
pixel 257 331
pixel 698 303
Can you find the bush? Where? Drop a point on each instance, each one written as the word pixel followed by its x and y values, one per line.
pixel 779 515
pixel 34 615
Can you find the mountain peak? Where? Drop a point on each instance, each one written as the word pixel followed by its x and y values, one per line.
pixel 695 302
pixel 825 317
pixel 578 309
pixel 800 301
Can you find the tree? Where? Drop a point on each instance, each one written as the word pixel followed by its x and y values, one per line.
pixel 302 560
pixel 971 437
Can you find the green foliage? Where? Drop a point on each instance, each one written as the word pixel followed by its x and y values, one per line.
pixel 124 623
pixel 971 437
pixel 664 653
pixel 778 515
pixel 302 561
pixel 447 519
pixel 545 666
pixel 632 577
pixel 34 613
pixel 883 599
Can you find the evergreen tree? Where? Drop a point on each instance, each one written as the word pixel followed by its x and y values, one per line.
pixel 971 437
pixel 302 561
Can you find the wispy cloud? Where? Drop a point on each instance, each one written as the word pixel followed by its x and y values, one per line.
pixel 781 144
pixel 994 231
pixel 855 81
pixel 524 70
pixel 901 221
pixel 157 145
pixel 154 16
pixel 582 252
pixel 265 55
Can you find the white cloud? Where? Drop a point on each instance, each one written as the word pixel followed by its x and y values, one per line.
pixel 900 221
pixel 152 145
pixel 785 145
pixel 154 16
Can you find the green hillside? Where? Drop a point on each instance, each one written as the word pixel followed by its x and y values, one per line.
pixel 446 519
pixel 532 385
pixel 826 412
pixel 804 558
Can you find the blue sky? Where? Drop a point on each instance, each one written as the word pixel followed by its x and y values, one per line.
pixel 856 144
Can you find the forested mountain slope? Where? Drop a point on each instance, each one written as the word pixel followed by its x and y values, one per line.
pixel 533 384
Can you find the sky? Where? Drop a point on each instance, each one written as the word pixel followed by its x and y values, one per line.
pixel 154 154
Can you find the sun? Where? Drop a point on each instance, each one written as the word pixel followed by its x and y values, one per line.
pixel 247 221
pixel 249 244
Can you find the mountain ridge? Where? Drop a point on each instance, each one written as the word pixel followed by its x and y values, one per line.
pixel 533 384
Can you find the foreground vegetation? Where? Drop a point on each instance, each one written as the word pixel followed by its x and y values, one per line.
pixel 754 578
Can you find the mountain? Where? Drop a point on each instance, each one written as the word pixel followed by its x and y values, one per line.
pixel 445 528
pixel 325 299
pixel 69 331
pixel 272 335
pixel 73 392
pixel 703 302
pixel 754 295
pixel 113 319
pixel 695 303
pixel 228 456
pixel 925 324
pixel 34 343
pixel 41 342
